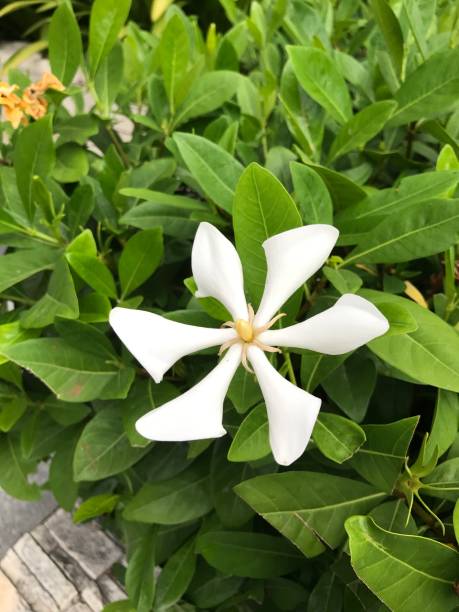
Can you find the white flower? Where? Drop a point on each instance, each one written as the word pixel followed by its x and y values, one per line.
pixel 157 343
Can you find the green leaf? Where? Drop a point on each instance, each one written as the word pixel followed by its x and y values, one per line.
pixel 176 576
pixel 417 232
pixel 103 448
pixel 78 128
pixel 141 256
pixel 95 506
pixel 71 163
pixel 361 128
pixel 140 581
pixel 443 481
pixel 109 79
pixel 251 441
pixel 74 375
pixel 430 354
pixel 251 555
pixel 401 321
pixel 445 422
pixel 60 300
pixel 456 520
pixel 244 390
pixel 165 199
pixel 393 516
pixel 351 386
pixel 61 482
pixel 64 43
pixel 174 55
pixel 208 93
pixel 315 367
pixel 342 189
pixel 344 281
pixel 16 267
pixel 336 437
pixel 172 221
pixel 106 20
pixel 216 171
pixel 178 500
pixel 93 272
pixel 13 475
pixel 33 155
pixel 79 208
pixel 262 208
pixel 391 31
pixel 431 90
pixel 382 456
pixel 12 408
pixel 320 78
pixel 406 572
pixel 412 191
pixel 302 504
pixel 314 201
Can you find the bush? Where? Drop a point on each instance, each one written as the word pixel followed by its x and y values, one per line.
pixel 353 109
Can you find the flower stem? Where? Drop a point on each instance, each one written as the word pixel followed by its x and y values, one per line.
pixel 288 361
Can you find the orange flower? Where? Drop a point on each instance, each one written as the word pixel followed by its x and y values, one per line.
pixel 49 81
pixel 32 103
pixel 13 106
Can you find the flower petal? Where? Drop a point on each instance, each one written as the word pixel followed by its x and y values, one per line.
pixel 293 257
pixel 217 270
pixel 292 412
pixel 158 342
pixel 350 323
pixel 198 413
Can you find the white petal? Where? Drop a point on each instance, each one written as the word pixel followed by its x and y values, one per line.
pixel 292 412
pixel 157 343
pixel 217 270
pixel 198 413
pixel 292 258
pixel 350 323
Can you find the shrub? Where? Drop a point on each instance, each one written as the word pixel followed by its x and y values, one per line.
pixel 352 108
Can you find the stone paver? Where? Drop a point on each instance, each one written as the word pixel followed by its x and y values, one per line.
pixel 93 550
pixel 48 569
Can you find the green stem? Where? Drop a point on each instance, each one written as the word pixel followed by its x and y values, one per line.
pixel 118 146
pixel 288 361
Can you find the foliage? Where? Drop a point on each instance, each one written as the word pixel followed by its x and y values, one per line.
pixel 293 113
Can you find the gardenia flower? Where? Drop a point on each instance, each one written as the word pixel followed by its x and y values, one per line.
pixel 157 343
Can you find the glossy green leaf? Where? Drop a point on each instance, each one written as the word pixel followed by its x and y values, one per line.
pixel 174 56
pixel 252 555
pixel 33 155
pixel 344 281
pixel 429 228
pixel 391 31
pixel 445 423
pixel 244 390
pixel 103 448
pixel 251 441
pixel 311 194
pixel 95 506
pixel 429 354
pixel 336 437
pixel 208 93
pixel 141 256
pixel 106 20
pixel 301 504
pixel 262 208
pixel 15 470
pixel 320 78
pixel 382 456
pixel 216 171
pixel 74 375
pixel 176 576
pixel 178 500
pixel 406 572
pixel 93 272
pixel 431 90
pixel 361 128
pixel 16 267
pixel 315 367
pixel 64 44
pixel 140 580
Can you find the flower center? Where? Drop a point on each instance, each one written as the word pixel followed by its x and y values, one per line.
pixel 249 335
pixel 245 330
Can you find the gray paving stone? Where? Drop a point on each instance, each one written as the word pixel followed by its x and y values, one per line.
pixel 46 571
pixel 18 517
pixel 28 586
pixel 93 550
pixel 110 589
pixel 79 607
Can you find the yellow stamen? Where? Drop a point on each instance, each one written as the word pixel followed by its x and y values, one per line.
pixel 245 330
